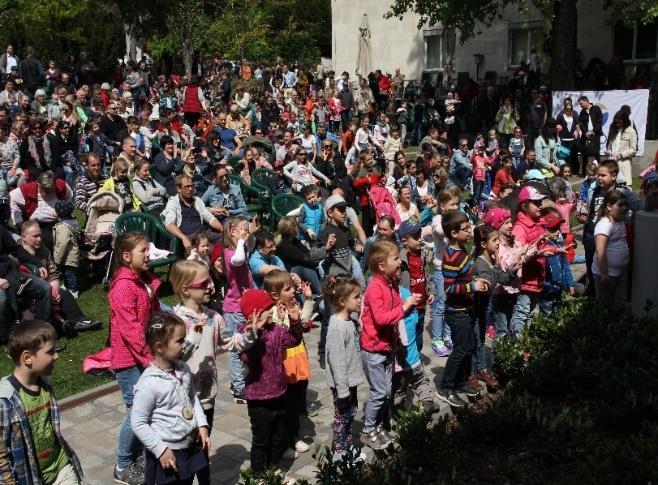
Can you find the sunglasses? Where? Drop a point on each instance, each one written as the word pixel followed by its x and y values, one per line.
pixel 200 285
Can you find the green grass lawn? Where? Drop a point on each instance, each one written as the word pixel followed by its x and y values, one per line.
pixel 68 377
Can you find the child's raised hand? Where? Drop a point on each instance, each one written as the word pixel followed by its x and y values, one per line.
pixel 306 290
pixel 294 312
pixel 203 437
pixel 168 460
pixel 411 301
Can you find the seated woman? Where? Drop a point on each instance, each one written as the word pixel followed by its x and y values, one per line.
pixel 168 164
pixel 406 208
pixel 297 256
pixel 119 183
pixel 151 194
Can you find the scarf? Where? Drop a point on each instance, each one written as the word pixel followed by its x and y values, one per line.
pixel 34 153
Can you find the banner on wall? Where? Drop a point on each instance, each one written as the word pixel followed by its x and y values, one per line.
pixel 610 102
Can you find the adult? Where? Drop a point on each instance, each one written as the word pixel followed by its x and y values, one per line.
pixel 288 145
pixel 264 258
pixel 230 142
pixel 35 154
pixel 86 70
pixel 39 106
pixel 537 114
pixel 32 72
pixel 72 316
pixel 461 169
pixel 545 147
pixel 113 127
pixel 168 164
pixel 622 144
pixel 8 92
pixel 385 232
pixel 185 215
pixel 36 201
pixel 506 120
pixel 9 60
pixel 9 159
pixel 590 121
pixel 89 182
pixel 193 102
pixel 223 198
pixel 489 106
pixel 12 280
pixel 63 152
pixel 129 152
pixel 569 132
pixel 347 102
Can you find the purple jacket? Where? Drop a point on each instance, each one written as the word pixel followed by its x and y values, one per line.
pixel 266 378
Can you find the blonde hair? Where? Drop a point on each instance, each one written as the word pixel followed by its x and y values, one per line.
pixel 379 252
pixel 287 227
pixel 183 273
pixel 229 225
pixel 118 164
pixel 275 280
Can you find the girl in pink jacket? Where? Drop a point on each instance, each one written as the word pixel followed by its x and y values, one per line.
pixel 133 300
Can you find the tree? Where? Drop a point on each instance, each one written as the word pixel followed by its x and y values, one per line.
pixel 469 22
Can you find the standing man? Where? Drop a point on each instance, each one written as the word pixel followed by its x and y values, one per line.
pixel 590 121
pixel 9 60
pixel 33 73
pixel 347 100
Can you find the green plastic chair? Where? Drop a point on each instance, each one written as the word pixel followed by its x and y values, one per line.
pixel 154 230
pixel 261 178
pixel 252 196
pixel 281 205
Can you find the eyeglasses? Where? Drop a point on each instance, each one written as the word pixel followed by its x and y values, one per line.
pixel 200 285
pixel 465 228
pixel 185 187
pixel 303 154
pixel 463 144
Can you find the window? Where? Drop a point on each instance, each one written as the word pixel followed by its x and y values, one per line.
pixel 434 52
pixel 637 41
pixel 523 40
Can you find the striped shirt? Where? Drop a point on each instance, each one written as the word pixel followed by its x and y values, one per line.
pixel 458 280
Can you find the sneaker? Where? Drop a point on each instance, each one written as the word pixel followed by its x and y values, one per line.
pixel 390 438
pixel 451 398
pixel 488 378
pixel 238 398
pixel 131 475
pixel 83 325
pixel 358 456
pixel 286 480
pixel 448 343
pixel 75 294
pixel 289 454
pixel 312 409
pixel 439 348
pixel 375 439
pixel 474 382
pixel 491 333
pixel 301 447
pixel 470 391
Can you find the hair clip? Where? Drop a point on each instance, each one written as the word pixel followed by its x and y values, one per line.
pixel 156 326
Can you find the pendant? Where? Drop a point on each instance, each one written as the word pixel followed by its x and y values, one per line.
pixel 187 413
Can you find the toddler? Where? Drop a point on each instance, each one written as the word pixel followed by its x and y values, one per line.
pixel 200 249
pixel 311 214
pixel 66 235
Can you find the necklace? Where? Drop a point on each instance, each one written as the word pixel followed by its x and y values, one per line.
pixel 186 412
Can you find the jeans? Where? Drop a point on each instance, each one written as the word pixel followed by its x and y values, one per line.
pixel 503 306
pixel 343 421
pixel 522 314
pixel 549 303
pixel 357 272
pixel 615 292
pixel 378 368
pixel 590 251
pixel 235 367
pixel 419 328
pixel 268 432
pixel 479 358
pixel 440 330
pixel 36 290
pixel 70 275
pixel 129 446
pixel 478 185
pixel 310 275
pixel 458 365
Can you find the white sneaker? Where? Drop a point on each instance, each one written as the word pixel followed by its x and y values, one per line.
pixel 301 447
pixel 289 454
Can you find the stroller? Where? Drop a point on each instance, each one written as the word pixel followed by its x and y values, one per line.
pixel 103 210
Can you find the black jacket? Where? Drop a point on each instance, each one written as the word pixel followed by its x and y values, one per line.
pixel 295 253
pixel 12 253
pixel 597 120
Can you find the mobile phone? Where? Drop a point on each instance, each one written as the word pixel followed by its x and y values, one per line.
pixel 179 145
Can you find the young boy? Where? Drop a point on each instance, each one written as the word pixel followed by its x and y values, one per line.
pixel 415 259
pixel 339 258
pixel 311 214
pixel 35 451
pixel 460 288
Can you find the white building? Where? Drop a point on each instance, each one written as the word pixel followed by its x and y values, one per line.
pixel 503 46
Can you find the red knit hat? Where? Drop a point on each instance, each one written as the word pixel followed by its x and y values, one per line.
pixel 255 301
pixel 216 252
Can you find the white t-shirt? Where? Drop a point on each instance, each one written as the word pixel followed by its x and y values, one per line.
pixel 617 248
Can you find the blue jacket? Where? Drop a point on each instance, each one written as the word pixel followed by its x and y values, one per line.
pixel 311 218
pixel 461 169
pixel 558 271
pixel 412 355
pixel 233 201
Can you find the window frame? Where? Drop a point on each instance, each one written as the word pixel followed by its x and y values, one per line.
pixel 426 35
pixel 528 27
pixel 638 60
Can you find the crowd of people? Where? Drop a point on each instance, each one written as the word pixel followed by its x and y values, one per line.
pixel 472 233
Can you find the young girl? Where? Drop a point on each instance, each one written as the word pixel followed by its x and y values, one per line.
pixel 611 259
pixel 238 278
pixel 205 332
pixel 150 193
pixel 486 266
pixel 301 173
pixel 481 165
pixel 448 199
pixel 133 301
pixel 517 151
pixel 344 370
pixel 218 275
pixel 281 288
pixel 200 249
pixel 119 183
pixel 167 415
pixel 265 382
pixel 381 312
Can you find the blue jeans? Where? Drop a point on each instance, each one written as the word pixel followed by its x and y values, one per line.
pixel 68 175
pixel 235 368
pixel 440 330
pixel 70 275
pixel 549 303
pixel 503 306
pixel 129 446
pixel 522 314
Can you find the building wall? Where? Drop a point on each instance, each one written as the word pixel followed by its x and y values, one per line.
pixel 394 43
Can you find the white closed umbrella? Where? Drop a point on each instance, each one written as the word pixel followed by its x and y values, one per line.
pixel 364 58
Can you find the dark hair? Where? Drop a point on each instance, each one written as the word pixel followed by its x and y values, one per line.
pixel 611 165
pixel 336 287
pixel 308 190
pixel 160 328
pixel 29 335
pixel 482 234
pixel 387 218
pixel 611 198
pixel 452 221
pixel 133 120
pixel 260 237
pixel 166 140
pixel 614 129
pixel 126 242
pixel 583 98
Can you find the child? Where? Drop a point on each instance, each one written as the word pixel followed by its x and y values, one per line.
pixel 481 165
pixel 415 259
pixel 492 143
pixel 392 145
pixel 34 449
pixel 566 206
pixel 460 287
pixel 218 275
pixel 610 263
pixel 589 184
pixel 98 143
pixel 565 174
pixel 311 214
pixel 206 331
pixel 382 309
pixel 133 300
pixel 238 278
pixel 517 151
pixel 339 258
pixel 66 234
pixel 119 183
pixel 200 249
pixel 167 416
pixel 344 371
pixel 265 382
pixel 281 288
pixel 558 272
pixel 409 372
pixel 486 266
pixel 301 173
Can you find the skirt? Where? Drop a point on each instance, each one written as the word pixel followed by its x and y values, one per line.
pixel 188 462
pixel 295 364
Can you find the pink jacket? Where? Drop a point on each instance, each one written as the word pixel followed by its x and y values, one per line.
pixel 381 311
pixel 130 310
pixel 526 231
pixel 565 208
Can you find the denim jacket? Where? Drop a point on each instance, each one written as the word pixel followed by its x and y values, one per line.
pixel 233 201
pixel 18 462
